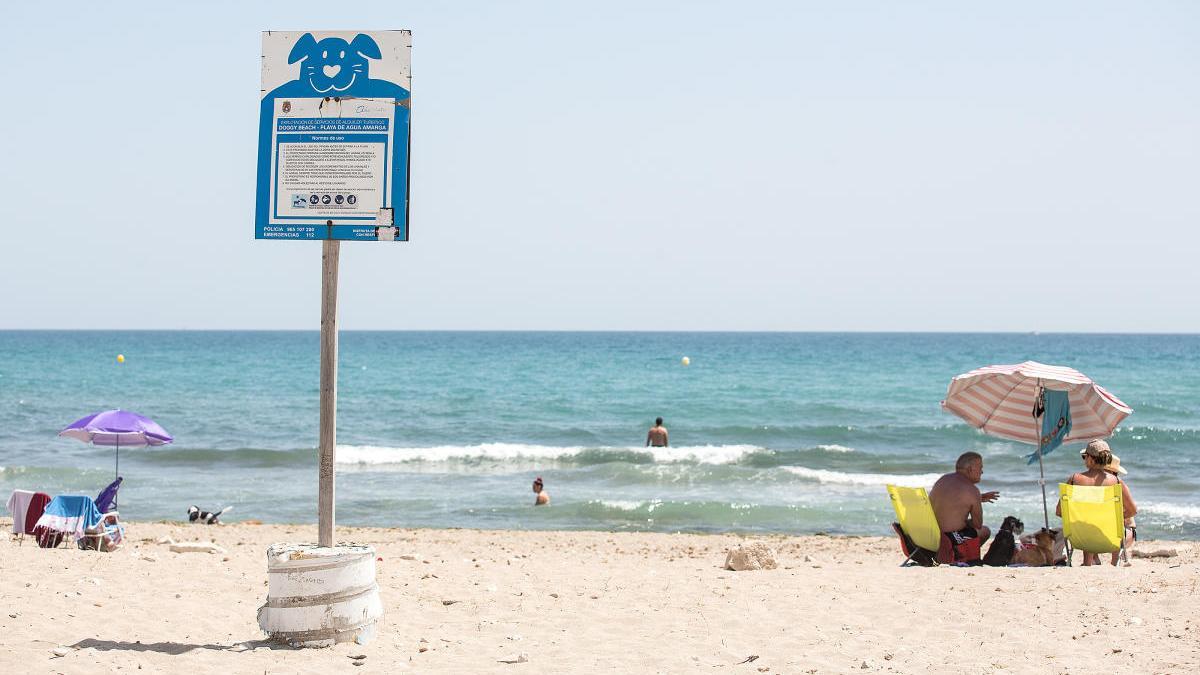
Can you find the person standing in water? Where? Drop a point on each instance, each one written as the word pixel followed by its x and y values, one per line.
pixel 543 497
pixel 657 436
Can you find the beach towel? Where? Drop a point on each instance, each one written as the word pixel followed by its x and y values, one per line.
pixel 69 514
pixel 37 506
pixel 1056 421
pixel 18 505
pixel 107 499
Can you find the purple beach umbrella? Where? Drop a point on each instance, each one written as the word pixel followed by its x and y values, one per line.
pixel 117 428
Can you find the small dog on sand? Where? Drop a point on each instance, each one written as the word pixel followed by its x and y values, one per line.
pixel 195 515
pixel 1041 554
pixel 1005 544
pixel 1060 548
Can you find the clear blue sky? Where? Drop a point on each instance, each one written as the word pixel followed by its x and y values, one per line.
pixel 628 165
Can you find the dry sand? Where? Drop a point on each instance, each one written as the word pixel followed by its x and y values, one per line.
pixel 597 602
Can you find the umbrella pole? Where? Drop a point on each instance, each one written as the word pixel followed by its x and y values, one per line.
pixel 1037 423
pixel 117 471
pixel 1042 472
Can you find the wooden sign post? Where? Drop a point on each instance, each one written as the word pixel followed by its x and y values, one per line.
pixel 329 363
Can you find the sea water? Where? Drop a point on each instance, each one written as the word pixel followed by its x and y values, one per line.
pixel 770 432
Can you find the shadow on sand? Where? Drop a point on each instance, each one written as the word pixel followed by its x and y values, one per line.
pixel 174 648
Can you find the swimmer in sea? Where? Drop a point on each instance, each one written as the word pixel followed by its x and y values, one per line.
pixel 543 497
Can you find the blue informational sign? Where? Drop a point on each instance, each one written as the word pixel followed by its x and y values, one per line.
pixel 333 136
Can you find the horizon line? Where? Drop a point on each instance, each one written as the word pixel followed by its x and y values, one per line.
pixel 595 330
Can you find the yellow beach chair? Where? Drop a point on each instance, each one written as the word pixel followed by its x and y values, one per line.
pixel 1093 518
pixel 917 521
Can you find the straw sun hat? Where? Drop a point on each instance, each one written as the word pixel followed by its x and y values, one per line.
pixel 1115 466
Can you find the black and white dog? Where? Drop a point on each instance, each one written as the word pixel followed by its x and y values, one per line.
pixel 195 515
pixel 1006 543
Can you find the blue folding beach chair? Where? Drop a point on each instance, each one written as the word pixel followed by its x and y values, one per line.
pixel 107 499
pixel 110 533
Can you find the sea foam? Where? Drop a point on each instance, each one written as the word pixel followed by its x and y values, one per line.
pixel 833 447
pixel 700 454
pixel 844 478
pixel 626 505
pixel 1184 511
pixel 371 454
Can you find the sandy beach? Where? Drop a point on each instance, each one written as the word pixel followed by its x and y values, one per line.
pixel 467 601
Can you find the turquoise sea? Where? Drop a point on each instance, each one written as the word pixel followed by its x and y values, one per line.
pixel 770 432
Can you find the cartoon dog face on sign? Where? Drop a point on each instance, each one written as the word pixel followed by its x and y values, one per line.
pixel 333 65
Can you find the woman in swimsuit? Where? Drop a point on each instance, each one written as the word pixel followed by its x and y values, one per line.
pixel 1096 456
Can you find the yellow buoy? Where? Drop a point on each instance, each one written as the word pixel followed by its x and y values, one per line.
pixel 120 358
pixel 685 361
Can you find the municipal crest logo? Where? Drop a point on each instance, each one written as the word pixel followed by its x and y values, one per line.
pixel 287 107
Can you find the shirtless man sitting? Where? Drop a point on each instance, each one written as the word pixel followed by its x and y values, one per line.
pixel 956 501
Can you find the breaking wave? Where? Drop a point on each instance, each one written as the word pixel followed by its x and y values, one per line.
pixel 847 478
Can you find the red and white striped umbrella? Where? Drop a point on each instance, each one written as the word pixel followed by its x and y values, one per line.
pixel 999 401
